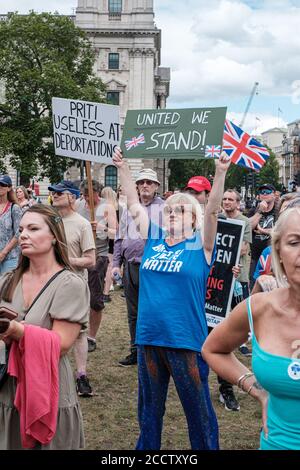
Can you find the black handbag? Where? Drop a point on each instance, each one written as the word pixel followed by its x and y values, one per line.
pixel 4 367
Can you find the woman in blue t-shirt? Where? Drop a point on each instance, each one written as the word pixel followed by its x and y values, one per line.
pixel 171 325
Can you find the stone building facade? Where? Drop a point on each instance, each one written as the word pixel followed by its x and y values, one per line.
pixel 128 46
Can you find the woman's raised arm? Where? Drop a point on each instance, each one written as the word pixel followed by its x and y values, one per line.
pixel 137 211
pixel 213 205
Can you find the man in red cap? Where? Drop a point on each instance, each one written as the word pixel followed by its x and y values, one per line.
pixel 199 187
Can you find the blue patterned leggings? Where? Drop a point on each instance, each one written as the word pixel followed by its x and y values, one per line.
pixel 190 374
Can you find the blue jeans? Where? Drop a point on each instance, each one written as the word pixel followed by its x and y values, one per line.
pixel 190 374
pixel 8 265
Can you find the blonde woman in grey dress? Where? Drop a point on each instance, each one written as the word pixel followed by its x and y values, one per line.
pixel 63 307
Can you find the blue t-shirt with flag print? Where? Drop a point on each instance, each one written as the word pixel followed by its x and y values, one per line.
pixel 263 265
pixel 171 311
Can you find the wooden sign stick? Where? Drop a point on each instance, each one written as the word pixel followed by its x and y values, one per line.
pixel 91 194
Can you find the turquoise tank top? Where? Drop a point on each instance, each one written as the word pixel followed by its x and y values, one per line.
pixel 280 377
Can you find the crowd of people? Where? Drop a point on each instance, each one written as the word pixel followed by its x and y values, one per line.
pixel 58 264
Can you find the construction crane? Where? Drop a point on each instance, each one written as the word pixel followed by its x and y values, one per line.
pixel 253 92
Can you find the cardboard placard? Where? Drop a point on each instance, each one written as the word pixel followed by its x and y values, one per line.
pixel 173 133
pixel 85 130
pixel 221 281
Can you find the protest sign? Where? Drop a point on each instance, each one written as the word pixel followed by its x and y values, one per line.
pixel 220 282
pixel 84 130
pixel 173 133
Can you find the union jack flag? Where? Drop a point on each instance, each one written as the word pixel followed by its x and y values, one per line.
pixel 134 142
pixel 243 149
pixel 212 151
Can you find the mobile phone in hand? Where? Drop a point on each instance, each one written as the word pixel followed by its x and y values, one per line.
pixel 4 325
pixel 8 313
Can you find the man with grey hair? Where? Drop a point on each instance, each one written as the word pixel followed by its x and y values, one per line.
pixel 81 250
pixel 129 248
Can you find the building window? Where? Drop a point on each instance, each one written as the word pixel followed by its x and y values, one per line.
pixel 111 177
pixel 113 61
pixel 115 7
pixel 113 97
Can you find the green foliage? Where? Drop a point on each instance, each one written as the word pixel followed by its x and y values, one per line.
pixel 270 171
pixel 41 56
pixel 183 170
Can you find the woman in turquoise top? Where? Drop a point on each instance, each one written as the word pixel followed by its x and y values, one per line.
pixel 171 326
pixel 274 320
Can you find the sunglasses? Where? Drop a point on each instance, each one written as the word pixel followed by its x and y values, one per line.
pixel 148 182
pixel 265 191
pixel 60 193
pixel 177 210
pixel 3 185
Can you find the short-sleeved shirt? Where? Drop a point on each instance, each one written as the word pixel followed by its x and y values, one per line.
pixel 101 236
pixel 79 236
pixel 9 228
pixel 66 298
pixel 171 309
pixel 261 241
pixel 264 265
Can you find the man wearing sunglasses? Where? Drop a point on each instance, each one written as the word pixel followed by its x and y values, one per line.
pixel 81 251
pixel 262 219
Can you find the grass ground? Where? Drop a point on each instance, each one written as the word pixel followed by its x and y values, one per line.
pixel 110 417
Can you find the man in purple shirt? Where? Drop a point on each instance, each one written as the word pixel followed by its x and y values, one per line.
pixel 129 248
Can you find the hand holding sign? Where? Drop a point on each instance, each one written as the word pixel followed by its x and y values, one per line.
pixel 118 158
pixel 223 163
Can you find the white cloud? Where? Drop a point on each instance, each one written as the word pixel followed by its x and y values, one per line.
pixel 257 123
pixel 219 49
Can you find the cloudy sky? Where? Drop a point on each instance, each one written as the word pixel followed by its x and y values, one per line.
pixel 217 50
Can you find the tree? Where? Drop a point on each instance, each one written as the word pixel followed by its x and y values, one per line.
pixel 183 170
pixel 41 56
pixel 270 171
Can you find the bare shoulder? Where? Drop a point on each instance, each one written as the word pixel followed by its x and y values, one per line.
pixel 265 302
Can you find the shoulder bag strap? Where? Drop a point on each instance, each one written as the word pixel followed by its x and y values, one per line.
pixel 44 288
pixel 12 218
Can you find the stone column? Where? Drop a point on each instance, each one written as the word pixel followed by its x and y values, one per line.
pixel 148 78
pixel 135 78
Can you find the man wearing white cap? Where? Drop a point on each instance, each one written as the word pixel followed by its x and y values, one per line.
pixel 129 247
